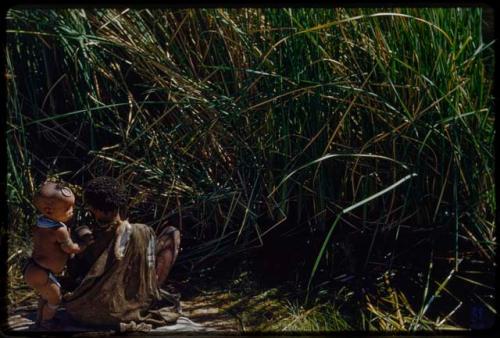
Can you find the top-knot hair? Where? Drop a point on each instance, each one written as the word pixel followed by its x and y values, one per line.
pixel 106 194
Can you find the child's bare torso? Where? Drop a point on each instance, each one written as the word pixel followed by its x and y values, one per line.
pixel 47 251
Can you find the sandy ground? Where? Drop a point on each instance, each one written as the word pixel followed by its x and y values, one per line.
pixel 203 313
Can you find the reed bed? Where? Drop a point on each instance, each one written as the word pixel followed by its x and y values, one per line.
pixel 356 141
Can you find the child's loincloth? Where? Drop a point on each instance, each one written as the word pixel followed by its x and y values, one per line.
pixel 51 275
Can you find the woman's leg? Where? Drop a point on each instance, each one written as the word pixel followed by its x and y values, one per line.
pixel 167 249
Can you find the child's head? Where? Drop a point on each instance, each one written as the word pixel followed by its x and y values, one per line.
pixel 55 201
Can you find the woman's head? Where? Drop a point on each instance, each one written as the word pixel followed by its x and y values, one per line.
pixel 106 198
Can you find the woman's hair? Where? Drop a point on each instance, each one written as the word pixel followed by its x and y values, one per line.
pixel 106 194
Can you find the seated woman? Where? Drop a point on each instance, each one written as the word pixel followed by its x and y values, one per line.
pixel 122 270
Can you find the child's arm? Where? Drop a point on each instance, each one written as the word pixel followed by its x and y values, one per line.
pixel 67 245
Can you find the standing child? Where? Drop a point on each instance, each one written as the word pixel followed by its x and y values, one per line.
pixel 52 246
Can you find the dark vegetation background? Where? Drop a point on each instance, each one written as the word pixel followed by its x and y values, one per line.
pixel 267 135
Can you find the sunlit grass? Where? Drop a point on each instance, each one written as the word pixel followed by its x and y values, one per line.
pixel 376 122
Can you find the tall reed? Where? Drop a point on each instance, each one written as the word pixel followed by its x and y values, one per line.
pixel 265 123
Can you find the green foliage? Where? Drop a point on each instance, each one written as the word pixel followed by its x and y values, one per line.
pixel 212 112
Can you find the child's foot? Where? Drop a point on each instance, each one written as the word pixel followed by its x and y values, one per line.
pixel 39 313
pixel 49 325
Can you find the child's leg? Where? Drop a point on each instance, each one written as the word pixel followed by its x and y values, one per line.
pixel 39 311
pixel 38 279
pixel 52 293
